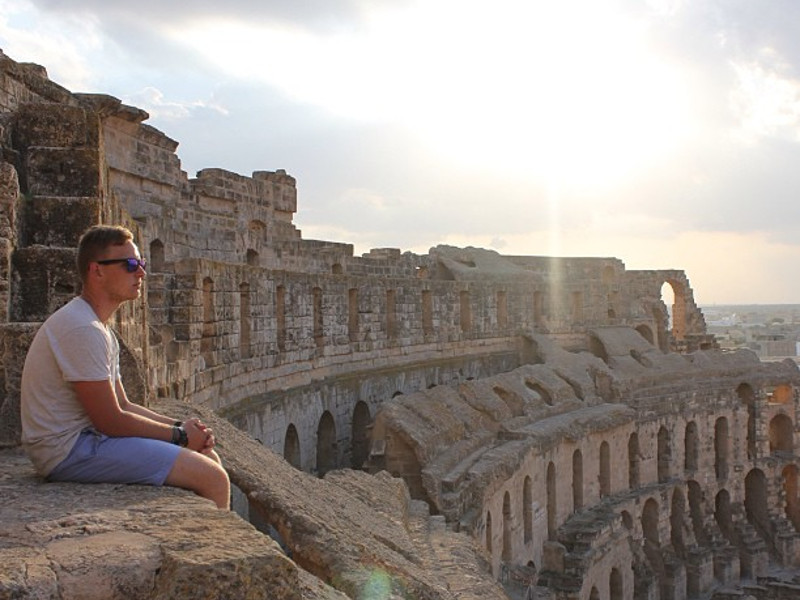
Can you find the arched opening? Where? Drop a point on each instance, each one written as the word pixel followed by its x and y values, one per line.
pixel 594 594
pixel 507 528
pixel 577 480
pixel 652 543
pixel 605 470
pixel 251 258
pixel 327 458
pixel 244 321
pixel 721 444
pixel 789 474
pixel 748 398
pixel 781 434
pixel 691 447
pixel 527 509
pixel 633 461
pixel 664 455
pixel 723 516
pixel 291 447
pixel 756 503
pixel 156 264
pixel 676 521
pixel 615 585
pixel 551 502
pixel 361 423
pixel 696 512
pixel 337 269
pixel 782 394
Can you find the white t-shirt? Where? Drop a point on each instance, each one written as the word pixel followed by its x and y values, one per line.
pixel 71 345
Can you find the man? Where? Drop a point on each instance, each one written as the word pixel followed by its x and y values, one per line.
pixel 77 422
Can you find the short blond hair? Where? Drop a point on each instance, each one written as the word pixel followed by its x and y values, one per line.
pixel 95 241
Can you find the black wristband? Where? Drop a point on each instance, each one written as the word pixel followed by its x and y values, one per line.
pixel 179 436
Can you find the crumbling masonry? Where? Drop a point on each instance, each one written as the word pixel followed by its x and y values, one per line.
pixel 551 409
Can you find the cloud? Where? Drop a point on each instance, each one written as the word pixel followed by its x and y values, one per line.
pixel 159 108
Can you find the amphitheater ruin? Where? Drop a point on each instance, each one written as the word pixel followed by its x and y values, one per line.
pixel 459 424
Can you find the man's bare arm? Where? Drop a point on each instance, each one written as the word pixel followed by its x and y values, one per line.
pixel 127 405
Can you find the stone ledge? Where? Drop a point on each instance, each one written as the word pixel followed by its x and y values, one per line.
pixel 69 541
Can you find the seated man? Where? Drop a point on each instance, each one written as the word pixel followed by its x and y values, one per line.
pixel 77 422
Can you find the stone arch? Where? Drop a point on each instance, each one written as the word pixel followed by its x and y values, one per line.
pixel 510 399
pixel 664 455
pixel 157 258
pixel 615 590
pixel 594 594
pixel 650 522
pixel 678 309
pixel 748 398
pixel 360 435
pixel 781 434
pixel 790 489
pixel 291 447
pixel 551 502
pixel 691 447
pixel 633 460
pixel 337 269
pixel 327 458
pixel 507 545
pixel 527 509
pixel 605 469
pixel 721 448
pixel 577 480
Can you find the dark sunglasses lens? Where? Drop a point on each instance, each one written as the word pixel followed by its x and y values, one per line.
pixel 133 264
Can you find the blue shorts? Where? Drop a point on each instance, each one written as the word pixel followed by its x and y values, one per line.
pixel 97 458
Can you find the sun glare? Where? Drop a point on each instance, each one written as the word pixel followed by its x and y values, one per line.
pixel 529 90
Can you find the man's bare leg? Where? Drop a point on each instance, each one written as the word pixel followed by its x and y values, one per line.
pixel 203 475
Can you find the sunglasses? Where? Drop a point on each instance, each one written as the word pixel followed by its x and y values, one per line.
pixel 131 264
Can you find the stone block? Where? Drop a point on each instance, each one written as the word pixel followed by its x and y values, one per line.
pixel 60 222
pixel 72 172
pixel 53 125
pixel 44 280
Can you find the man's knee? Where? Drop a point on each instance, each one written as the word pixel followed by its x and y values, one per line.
pixel 201 474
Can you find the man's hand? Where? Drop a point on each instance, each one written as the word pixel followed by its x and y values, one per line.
pixel 201 437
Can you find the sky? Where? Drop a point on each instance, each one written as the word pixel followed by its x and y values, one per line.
pixel 665 133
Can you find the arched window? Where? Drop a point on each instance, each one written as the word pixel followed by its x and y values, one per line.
pixel 633 461
pixel 327 458
pixel 577 480
pixel 361 422
pixel 721 448
pixel 551 502
pixel 291 447
pixel 527 509
pixel 781 434
pixel 507 545
pixel 605 470
pixel 664 455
